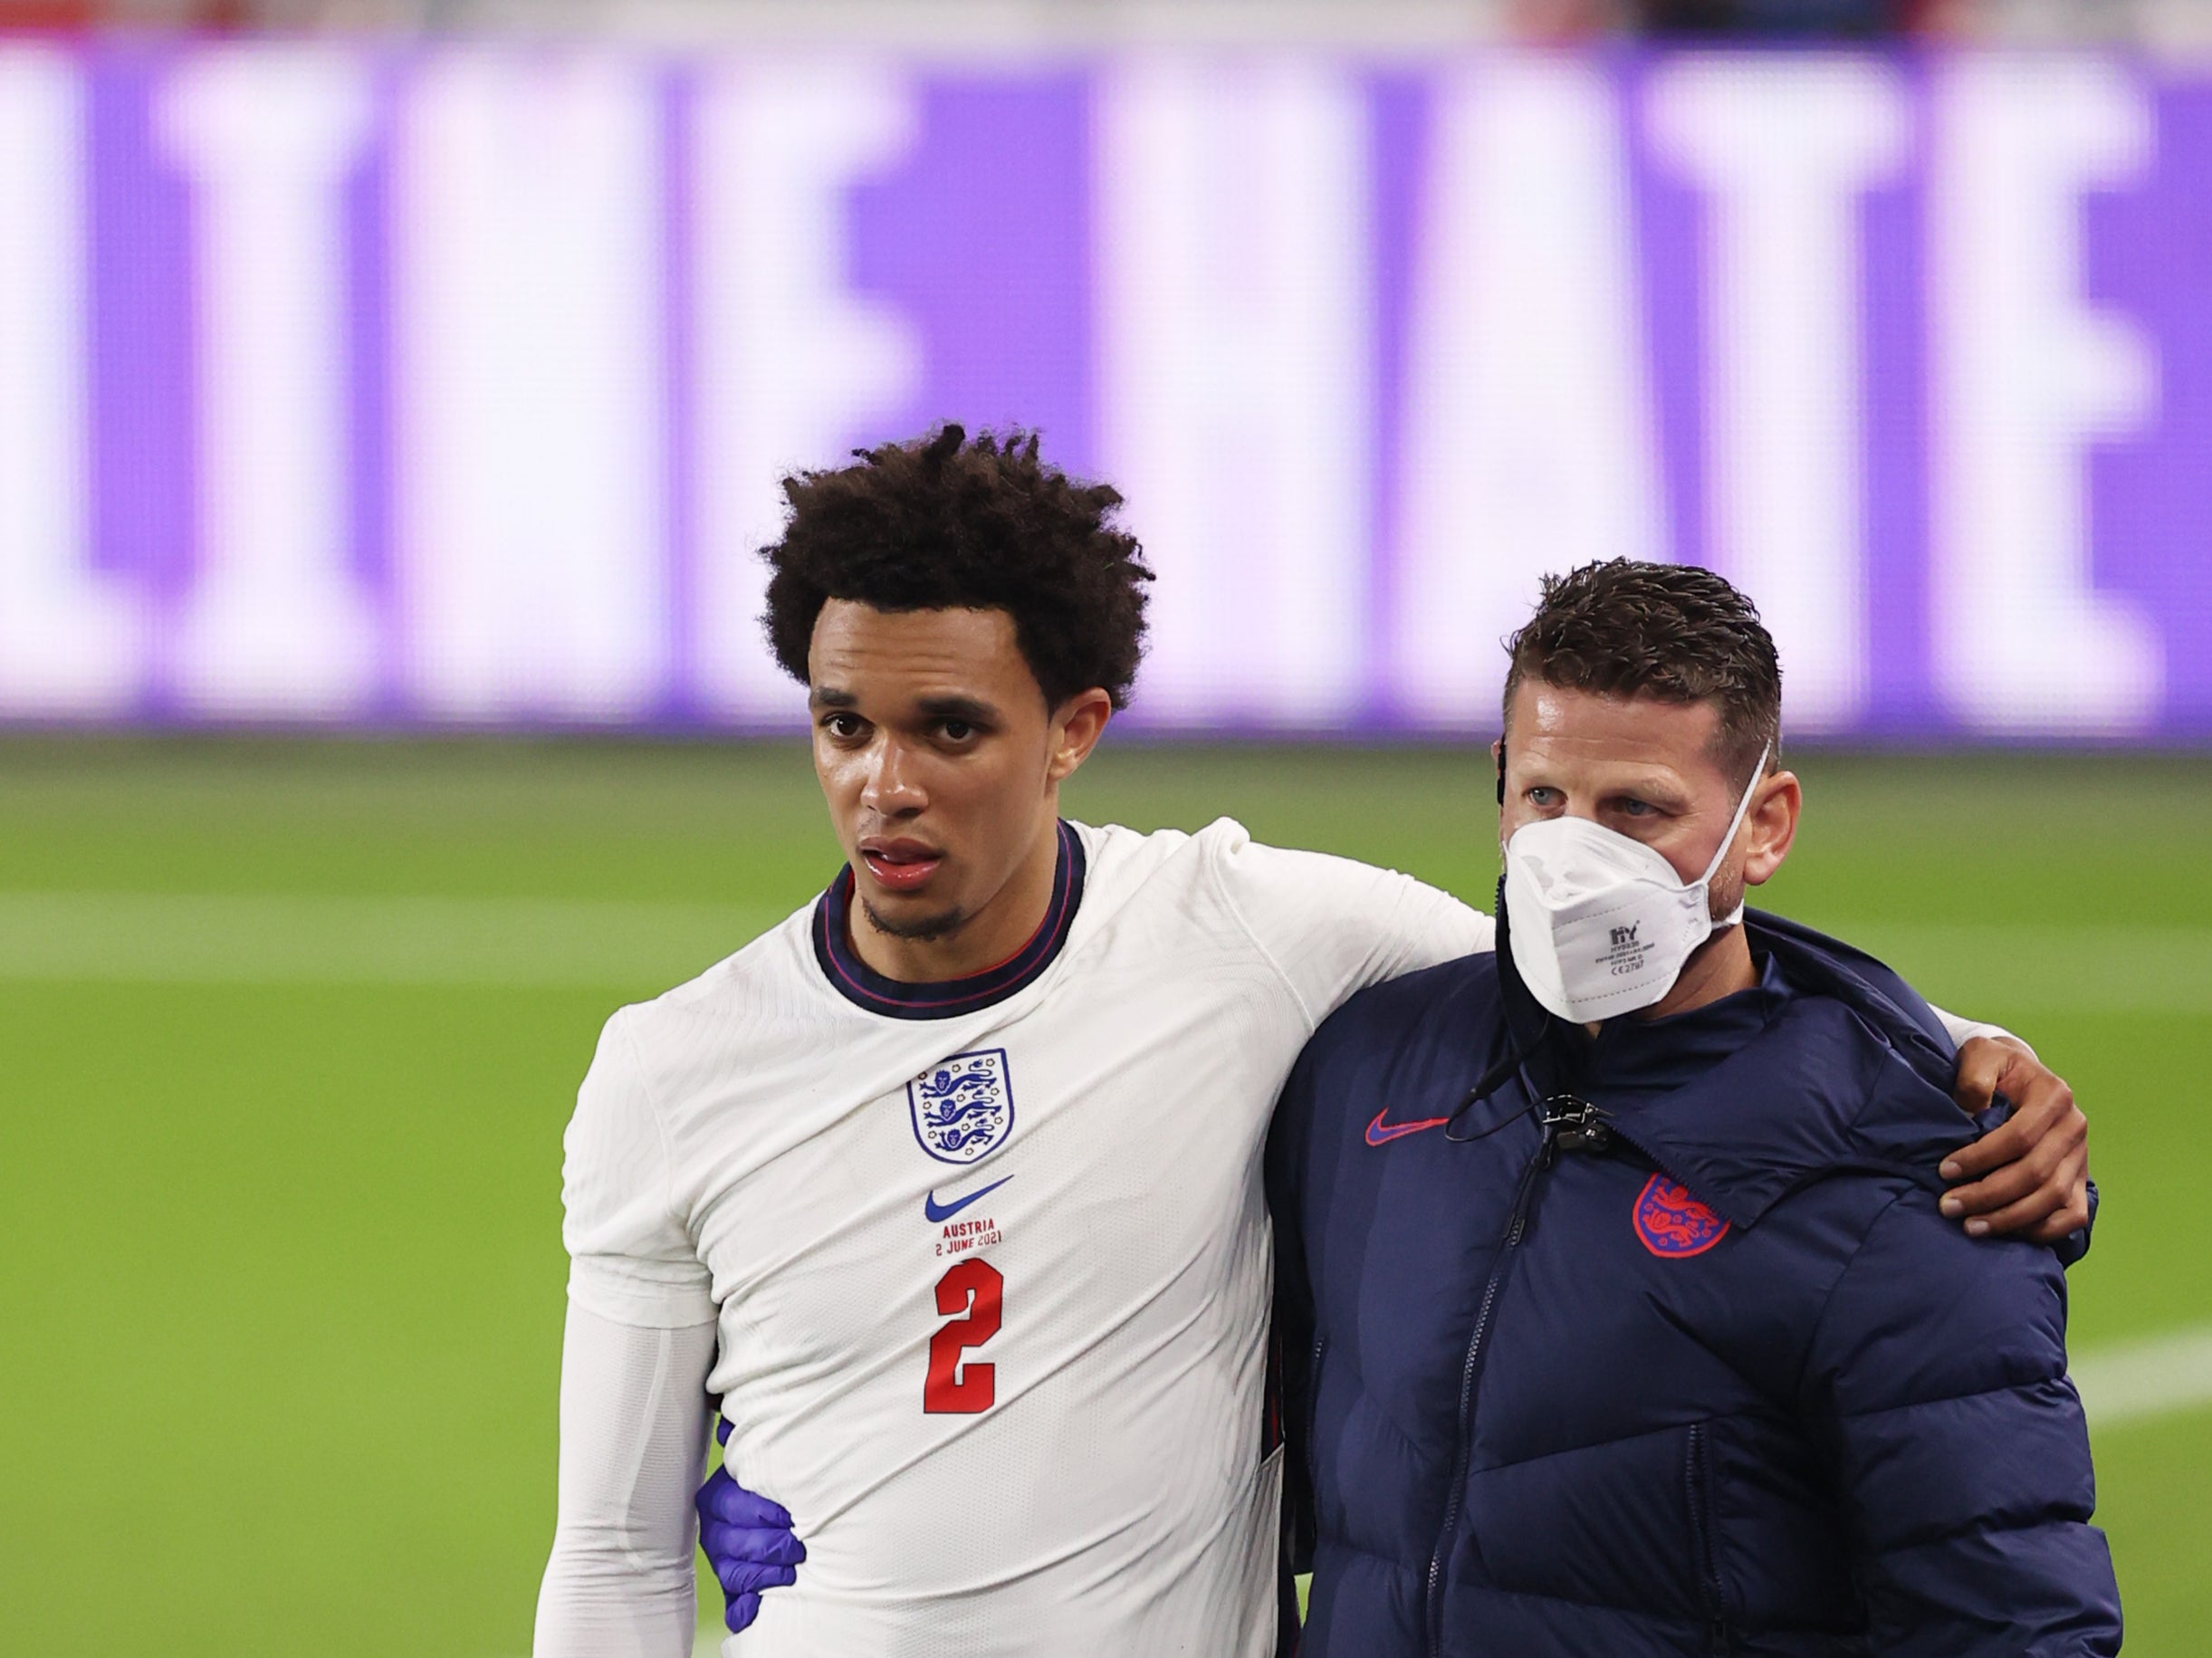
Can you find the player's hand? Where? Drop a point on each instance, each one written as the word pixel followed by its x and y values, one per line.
pixel 747 1541
pixel 2031 1174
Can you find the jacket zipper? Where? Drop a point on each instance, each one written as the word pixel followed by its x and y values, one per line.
pixel 1464 1451
pixel 1698 1478
pixel 1613 1128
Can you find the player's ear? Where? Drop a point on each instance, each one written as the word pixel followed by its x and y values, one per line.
pixel 1078 723
pixel 1773 824
pixel 1497 753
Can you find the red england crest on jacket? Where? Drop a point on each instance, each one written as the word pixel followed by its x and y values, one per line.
pixel 1672 1224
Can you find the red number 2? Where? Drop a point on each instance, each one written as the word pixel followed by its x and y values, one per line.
pixel 974 1290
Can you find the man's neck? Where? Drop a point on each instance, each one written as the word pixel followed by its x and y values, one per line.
pixel 1718 967
pixel 997 931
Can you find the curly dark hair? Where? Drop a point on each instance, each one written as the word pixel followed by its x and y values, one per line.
pixel 1624 628
pixel 947 521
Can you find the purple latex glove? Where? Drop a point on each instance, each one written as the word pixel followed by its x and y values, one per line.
pixel 747 1541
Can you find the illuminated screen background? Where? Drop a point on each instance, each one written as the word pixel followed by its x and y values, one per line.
pixel 450 385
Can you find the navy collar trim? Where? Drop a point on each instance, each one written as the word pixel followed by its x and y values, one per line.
pixel 863 987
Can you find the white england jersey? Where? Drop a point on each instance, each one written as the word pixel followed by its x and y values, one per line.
pixel 990 1260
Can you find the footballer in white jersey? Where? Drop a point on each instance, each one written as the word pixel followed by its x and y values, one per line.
pixel 948 1189
pixel 990 1260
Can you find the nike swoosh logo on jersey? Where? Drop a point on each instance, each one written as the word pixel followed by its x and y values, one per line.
pixel 945 1212
pixel 1380 1133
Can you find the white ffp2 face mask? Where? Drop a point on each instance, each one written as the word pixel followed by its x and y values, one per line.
pixel 1600 924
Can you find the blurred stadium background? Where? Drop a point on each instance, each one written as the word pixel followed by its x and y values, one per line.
pixel 392 392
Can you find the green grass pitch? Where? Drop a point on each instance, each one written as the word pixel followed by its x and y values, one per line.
pixel 290 1032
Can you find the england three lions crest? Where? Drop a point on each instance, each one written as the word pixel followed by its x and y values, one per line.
pixel 962 1107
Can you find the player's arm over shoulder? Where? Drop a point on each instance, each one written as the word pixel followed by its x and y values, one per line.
pixel 630 1255
pixel 1331 925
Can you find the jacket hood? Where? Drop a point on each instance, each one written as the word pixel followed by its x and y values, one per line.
pixel 1832 1063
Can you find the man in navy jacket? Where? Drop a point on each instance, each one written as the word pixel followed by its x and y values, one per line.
pixel 1618 1316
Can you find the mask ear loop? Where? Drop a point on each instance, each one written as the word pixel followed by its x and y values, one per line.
pixel 1743 809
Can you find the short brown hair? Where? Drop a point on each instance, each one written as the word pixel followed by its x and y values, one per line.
pixel 953 523
pixel 1624 628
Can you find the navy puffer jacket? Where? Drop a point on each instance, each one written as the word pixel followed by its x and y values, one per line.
pixel 1694 1365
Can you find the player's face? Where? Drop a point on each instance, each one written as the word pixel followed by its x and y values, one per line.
pixel 941 766
pixel 1645 769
